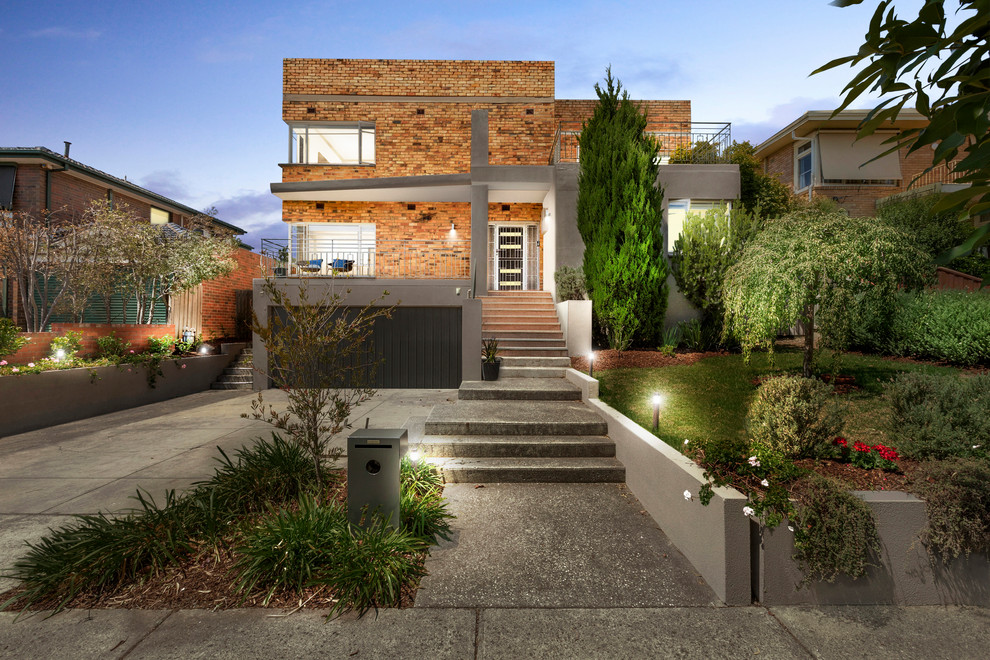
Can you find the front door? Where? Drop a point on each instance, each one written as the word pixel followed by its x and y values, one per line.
pixel 514 253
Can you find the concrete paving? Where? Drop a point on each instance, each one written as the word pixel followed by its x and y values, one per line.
pixel 549 571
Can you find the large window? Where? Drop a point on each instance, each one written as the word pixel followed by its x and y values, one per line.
pixel 677 213
pixel 802 166
pixel 332 143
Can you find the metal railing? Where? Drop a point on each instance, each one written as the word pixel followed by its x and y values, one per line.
pixel 689 142
pixel 433 260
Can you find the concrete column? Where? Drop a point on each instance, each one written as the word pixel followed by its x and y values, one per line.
pixel 479 238
pixel 260 352
pixel 479 138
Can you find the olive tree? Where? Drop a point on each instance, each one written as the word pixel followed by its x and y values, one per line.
pixel 817 266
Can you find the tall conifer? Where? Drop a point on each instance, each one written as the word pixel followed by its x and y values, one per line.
pixel 620 217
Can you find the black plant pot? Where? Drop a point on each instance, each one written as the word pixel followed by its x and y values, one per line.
pixel 489 370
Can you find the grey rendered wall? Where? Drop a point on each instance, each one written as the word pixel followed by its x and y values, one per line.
pixel 568 245
pixel 907 574
pixel 424 293
pixel 35 401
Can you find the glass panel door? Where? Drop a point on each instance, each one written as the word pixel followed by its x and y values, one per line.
pixel 513 255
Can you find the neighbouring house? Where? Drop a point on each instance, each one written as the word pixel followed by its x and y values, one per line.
pixel 36 179
pixel 453 184
pixel 819 156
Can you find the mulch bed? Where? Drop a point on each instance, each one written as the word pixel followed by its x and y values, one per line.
pixel 205 581
pixel 609 359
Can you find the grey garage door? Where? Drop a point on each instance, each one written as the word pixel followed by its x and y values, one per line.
pixel 419 347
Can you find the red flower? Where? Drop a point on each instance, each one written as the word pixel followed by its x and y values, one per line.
pixel 888 453
pixel 859 446
pixel 841 442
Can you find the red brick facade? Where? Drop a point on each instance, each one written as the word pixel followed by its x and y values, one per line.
pixel 220 297
pixel 137 335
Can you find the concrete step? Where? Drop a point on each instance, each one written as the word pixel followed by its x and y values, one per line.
pixel 519 389
pixel 518 294
pixel 531 470
pixel 506 325
pixel 510 361
pixel 531 352
pixel 224 378
pixel 527 334
pixel 231 386
pixel 518 446
pixel 519 418
pixel 527 373
pixel 238 371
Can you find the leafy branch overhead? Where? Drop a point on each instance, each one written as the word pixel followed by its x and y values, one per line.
pixel 943 70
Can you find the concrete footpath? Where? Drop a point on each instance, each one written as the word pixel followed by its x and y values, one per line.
pixel 532 570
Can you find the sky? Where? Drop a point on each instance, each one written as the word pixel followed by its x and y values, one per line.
pixel 184 98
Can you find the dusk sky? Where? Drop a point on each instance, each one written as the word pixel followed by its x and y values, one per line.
pixel 184 98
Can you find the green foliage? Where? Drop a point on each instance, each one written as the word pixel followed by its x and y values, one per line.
pixel 933 231
pixel 795 416
pixel 942 69
pixel 69 343
pixel 321 356
pixel 939 417
pixel 834 531
pixel 11 339
pixel 112 347
pixel 620 217
pixel 290 549
pixel 189 346
pixel 943 325
pixel 570 283
pixel 692 335
pixel 816 267
pixel 98 552
pixel 419 477
pixel 671 337
pixel 957 501
pixel 489 349
pixel 161 345
pixel 268 472
pixel 708 245
pixel 762 194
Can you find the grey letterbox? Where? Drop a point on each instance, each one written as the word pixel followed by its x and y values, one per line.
pixel 373 473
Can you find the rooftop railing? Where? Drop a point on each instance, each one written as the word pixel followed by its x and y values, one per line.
pixel 687 142
pixel 433 260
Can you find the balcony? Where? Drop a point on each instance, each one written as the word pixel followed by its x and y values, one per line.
pixel 407 260
pixel 688 142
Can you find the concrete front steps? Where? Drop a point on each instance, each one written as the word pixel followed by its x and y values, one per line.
pixel 239 375
pixel 523 429
pixel 524 322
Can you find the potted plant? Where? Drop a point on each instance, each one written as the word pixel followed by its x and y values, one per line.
pixel 282 269
pixel 490 362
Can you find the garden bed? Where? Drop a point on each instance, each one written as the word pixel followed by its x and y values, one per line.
pixel 740 559
pixel 38 400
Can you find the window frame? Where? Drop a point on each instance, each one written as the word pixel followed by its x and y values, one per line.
pixel 800 153
pixel 703 205
pixel 361 129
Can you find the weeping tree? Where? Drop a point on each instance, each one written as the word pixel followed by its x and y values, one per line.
pixel 620 218
pixel 817 266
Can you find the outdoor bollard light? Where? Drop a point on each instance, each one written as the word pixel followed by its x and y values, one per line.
pixel 656 411
pixel 591 364
pixel 59 354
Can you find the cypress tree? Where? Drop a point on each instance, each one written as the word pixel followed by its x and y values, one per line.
pixel 620 217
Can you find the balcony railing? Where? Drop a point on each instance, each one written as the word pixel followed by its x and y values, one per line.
pixel 694 142
pixel 434 260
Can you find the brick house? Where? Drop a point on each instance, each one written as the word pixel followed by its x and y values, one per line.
pixel 36 179
pixel 453 184
pixel 818 156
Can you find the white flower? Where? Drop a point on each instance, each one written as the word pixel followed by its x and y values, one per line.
pixel 977 446
pixel 686 440
pixel 748 511
pixel 30 364
pixel 753 461
pixel 688 496
pixel 790 527
pixel 765 483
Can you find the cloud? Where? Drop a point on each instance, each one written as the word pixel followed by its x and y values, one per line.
pixel 58 32
pixel 780 116
pixel 167 183
pixel 259 213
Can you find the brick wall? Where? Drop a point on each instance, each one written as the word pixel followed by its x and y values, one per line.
pixel 39 346
pixel 220 299
pixel 781 165
pixel 661 115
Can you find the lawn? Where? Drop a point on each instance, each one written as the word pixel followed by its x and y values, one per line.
pixel 709 398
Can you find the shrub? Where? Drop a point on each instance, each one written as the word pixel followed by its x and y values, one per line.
pixel 834 531
pixel 570 283
pixel 290 549
pixel 707 246
pixel 957 500
pixel 111 346
pixel 11 339
pixel 69 343
pixel 161 345
pixel 944 325
pixel 933 416
pixel 795 416
pixel 933 232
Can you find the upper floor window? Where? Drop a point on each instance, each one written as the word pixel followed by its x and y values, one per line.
pixel 802 166
pixel 159 217
pixel 332 143
pixel 678 211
